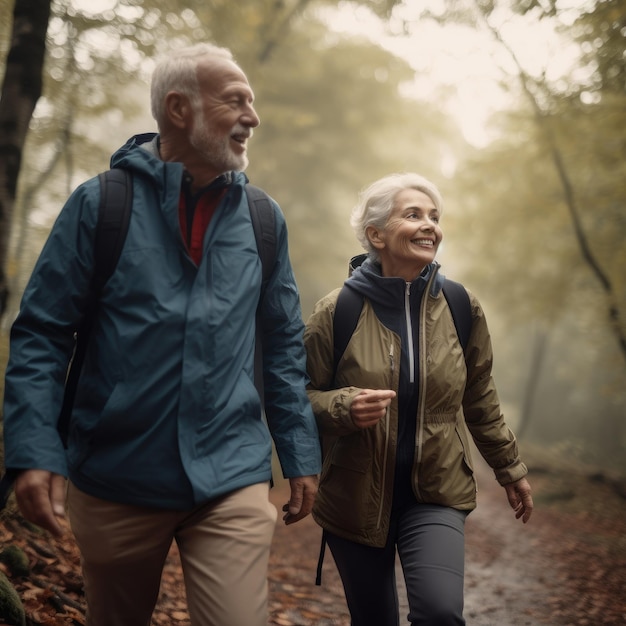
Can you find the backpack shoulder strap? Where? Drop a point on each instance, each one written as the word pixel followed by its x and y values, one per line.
pixel 114 213
pixel 347 311
pixel 264 224
pixel 116 191
pixel 263 218
pixel 460 307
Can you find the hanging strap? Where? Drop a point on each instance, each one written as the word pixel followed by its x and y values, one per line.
pixel 320 560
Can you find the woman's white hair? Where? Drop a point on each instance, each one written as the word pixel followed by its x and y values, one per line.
pixel 376 203
pixel 177 71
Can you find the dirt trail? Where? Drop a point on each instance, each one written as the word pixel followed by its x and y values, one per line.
pixel 502 582
pixel 567 567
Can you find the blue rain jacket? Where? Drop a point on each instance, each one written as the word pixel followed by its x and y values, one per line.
pixel 166 414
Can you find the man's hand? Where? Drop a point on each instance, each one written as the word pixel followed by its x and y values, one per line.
pixel 40 497
pixel 303 490
pixel 370 406
pixel 518 494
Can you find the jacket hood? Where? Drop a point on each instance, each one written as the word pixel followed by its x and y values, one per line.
pixel 366 278
pixel 140 155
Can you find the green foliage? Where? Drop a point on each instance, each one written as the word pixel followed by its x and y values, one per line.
pixel 16 560
pixel 528 223
pixel 11 608
pixel 601 32
pixel 513 206
pixel 333 120
pixel 526 258
pixel 6 22
pixel 332 115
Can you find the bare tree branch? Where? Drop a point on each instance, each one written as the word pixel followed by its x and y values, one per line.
pixel 280 25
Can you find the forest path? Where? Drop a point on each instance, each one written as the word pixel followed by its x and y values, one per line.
pixel 566 567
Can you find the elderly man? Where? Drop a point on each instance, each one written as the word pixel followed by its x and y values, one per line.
pixel 167 439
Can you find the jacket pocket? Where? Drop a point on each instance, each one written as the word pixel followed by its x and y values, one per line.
pixel 345 486
pixel 446 476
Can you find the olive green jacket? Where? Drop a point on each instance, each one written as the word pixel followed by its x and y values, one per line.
pixel 356 484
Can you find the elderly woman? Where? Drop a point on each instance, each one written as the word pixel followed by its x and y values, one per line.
pixel 394 413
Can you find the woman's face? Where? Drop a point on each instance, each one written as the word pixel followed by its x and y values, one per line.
pixel 411 236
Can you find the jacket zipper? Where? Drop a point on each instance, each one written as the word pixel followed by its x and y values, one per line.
pixel 386 447
pixel 409 331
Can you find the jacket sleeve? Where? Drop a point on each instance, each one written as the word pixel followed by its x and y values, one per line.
pixel 288 410
pixel 331 406
pixel 42 337
pixel 481 405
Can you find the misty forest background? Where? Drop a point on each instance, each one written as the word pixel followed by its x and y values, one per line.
pixel 535 217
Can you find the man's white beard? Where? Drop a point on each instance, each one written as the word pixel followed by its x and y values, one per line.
pixel 216 152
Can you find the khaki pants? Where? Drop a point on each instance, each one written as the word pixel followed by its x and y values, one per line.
pixel 224 549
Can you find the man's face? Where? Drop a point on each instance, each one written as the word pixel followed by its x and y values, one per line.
pixel 225 117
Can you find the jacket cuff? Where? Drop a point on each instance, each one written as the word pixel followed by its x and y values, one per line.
pixel 511 473
pixel 341 408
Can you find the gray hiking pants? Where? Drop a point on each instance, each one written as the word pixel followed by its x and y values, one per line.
pixel 430 542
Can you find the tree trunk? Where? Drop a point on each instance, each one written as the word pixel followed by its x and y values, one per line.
pixel 20 91
pixel 540 343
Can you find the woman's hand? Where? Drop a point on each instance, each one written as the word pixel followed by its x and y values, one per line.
pixel 370 406
pixel 520 499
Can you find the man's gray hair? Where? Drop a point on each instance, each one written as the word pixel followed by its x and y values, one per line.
pixel 177 71
pixel 376 203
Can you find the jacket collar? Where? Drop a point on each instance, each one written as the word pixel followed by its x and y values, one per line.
pixel 431 273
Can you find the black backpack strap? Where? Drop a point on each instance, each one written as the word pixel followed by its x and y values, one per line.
pixel 263 217
pixel 114 213
pixel 264 224
pixel 116 203
pixel 347 311
pixel 461 309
